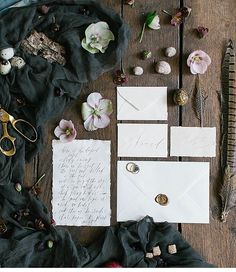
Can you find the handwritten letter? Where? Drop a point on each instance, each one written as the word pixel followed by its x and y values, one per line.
pixel 81 183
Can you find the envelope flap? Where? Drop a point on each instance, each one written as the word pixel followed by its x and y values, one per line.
pixel 141 98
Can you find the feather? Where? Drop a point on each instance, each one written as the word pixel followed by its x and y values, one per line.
pixel 199 101
pixel 228 148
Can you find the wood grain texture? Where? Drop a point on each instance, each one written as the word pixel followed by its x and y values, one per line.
pixel 214 241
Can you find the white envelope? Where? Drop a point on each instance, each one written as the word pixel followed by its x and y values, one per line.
pixel 193 142
pixel 142 103
pixel 186 184
pixel 142 140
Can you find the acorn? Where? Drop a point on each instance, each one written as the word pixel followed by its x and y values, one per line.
pixel 146 54
pixel 180 97
pixel 138 71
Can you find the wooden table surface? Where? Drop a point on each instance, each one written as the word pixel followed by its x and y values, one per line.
pixel 214 241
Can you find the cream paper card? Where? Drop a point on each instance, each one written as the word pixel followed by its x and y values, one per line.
pixel 193 142
pixel 142 140
pixel 186 184
pixel 142 103
pixel 81 183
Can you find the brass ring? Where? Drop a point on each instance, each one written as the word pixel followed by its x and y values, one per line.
pixel 132 168
pixel 162 199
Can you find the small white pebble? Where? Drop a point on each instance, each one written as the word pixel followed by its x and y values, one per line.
pixel 156 251
pixel 138 71
pixel 163 67
pixel 149 255
pixel 170 52
pixel 172 249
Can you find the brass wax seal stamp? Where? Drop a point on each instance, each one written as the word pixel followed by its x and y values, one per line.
pixel 162 199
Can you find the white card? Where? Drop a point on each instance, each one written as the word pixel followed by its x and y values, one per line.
pixel 142 140
pixel 193 142
pixel 186 185
pixel 142 103
pixel 81 183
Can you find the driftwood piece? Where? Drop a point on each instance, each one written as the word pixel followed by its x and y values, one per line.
pixel 39 44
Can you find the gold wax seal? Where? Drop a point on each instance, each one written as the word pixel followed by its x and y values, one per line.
pixel 162 199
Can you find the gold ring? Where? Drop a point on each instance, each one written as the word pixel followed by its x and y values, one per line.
pixel 162 199
pixel 132 168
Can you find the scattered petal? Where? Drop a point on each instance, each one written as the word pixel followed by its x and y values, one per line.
pixel 101 121
pixel 93 100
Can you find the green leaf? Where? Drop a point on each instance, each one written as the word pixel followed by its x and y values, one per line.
pixel 150 17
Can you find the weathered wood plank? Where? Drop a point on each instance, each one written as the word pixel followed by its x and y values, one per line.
pixel 214 241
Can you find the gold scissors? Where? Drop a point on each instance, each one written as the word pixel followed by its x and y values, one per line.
pixel 5 118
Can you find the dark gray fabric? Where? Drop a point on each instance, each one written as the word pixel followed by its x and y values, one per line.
pixel 24 245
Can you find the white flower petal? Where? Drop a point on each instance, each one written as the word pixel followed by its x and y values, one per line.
pixel 101 121
pixel 94 99
pixel 155 24
pixel 58 132
pixel 89 124
pixel 87 47
pixel 105 106
pixel 86 110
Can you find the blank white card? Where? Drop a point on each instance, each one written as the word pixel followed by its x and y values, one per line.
pixel 193 142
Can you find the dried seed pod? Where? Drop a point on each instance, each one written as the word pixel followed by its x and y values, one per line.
pixel 172 249
pixel 170 52
pixel 163 67
pixel 138 71
pixel 180 97
pixel 146 54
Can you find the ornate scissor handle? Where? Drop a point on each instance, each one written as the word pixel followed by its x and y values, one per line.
pixel 14 124
pixel 5 136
